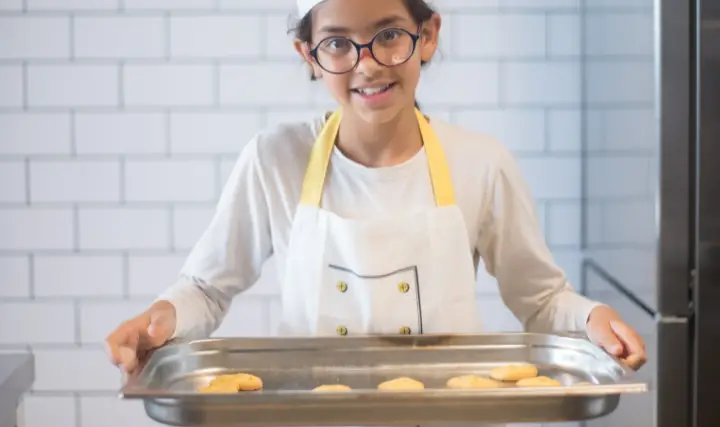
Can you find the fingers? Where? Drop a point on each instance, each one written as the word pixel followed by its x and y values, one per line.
pixel 129 351
pixel 606 338
pixel 632 342
pixel 161 328
pixel 122 345
pixel 114 342
pixel 630 339
pixel 634 361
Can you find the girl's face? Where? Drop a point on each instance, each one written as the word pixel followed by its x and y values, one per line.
pixel 375 88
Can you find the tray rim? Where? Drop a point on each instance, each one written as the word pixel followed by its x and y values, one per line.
pixel 132 389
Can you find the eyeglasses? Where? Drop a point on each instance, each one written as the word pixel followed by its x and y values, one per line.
pixel 390 47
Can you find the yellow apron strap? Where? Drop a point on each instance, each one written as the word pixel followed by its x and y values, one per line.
pixel 322 149
pixel 437 164
pixel 319 160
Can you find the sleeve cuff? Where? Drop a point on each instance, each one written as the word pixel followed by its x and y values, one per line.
pixel 186 312
pixel 582 307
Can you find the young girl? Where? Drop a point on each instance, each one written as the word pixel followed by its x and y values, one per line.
pixel 377 215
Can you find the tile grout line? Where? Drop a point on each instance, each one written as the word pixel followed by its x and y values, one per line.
pixel 78 410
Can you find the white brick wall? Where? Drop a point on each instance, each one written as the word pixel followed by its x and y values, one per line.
pixel 121 119
pixel 11 86
pixel 120 133
pixel 34 37
pixel 119 37
pixel 83 85
pixel 34 133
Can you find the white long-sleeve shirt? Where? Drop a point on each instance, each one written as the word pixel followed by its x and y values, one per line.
pixel 254 216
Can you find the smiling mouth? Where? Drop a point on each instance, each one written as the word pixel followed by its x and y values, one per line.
pixel 374 90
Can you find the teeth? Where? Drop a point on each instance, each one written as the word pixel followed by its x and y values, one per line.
pixel 374 90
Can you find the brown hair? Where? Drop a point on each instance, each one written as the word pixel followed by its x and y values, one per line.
pixel 419 10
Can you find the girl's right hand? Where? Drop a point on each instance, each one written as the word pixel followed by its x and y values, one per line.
pixel 133 339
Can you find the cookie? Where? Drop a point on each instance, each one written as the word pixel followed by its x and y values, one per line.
pixel 219 387
pixel 233 383
pixel 471 381
pixel 514 372
pixel 247 382
pixel 331 388
pixel 538 382
pixel 402 383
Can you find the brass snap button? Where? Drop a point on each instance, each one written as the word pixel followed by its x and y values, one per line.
pixel 405 330
pixel 404 287
pixel 342 330
pixel 342 286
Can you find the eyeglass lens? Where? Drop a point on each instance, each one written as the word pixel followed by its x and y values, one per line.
pixel 390 47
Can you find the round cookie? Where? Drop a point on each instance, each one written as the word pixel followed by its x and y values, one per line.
pixel 471 381
pixel 219 387
pixel 514 372
pixel 402 383
pixel 233 383
pixel 247 382
pixel 538 382
pixel 332 388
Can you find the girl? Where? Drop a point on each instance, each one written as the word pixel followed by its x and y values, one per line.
pixel 377 215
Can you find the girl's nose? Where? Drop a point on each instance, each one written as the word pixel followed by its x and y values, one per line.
pixel 366 63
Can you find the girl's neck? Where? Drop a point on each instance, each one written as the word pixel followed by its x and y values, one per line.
pixel 382 145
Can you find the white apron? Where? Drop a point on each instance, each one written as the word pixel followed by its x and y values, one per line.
pixel 404 274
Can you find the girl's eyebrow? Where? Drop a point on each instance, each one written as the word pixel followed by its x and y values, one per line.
pixel 384 22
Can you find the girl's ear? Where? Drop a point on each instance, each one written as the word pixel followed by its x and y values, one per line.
pixel 304 51
pixel 429 37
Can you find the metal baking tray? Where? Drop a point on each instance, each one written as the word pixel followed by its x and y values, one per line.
pixel 291 367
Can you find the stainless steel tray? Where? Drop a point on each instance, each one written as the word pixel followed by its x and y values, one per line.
pixel 291 367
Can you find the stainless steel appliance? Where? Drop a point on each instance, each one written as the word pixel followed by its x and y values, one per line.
pixel 651 204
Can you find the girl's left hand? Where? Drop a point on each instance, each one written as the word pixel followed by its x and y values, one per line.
pixel 606 329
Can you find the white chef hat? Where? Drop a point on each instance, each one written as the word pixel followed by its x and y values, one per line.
pixel 305 6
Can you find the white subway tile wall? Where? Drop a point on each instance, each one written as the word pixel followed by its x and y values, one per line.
pixel 121 119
